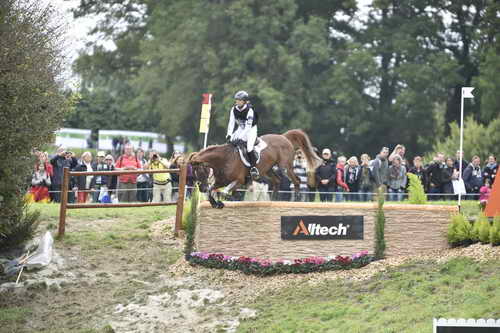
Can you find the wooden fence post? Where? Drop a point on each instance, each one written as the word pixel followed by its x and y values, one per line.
pixel 64 202
pixel 180 199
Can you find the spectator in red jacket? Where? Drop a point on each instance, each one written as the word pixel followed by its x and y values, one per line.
pixel 127 183
pixel 40 184
pixel 341 185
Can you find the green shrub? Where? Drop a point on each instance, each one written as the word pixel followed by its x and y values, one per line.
pixel 495 231
pixel 186 214
pixel 481 223
pixel 459 231
pixel 483 229
pixel 416 193
pixel 19 227
pixel 32 106
pixel 191 220
pixel 380 227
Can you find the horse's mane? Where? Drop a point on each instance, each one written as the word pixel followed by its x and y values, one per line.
pixel 222 150
pixel 215 147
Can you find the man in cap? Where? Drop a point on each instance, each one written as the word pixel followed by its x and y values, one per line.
pixel 326 176
pixel 100 182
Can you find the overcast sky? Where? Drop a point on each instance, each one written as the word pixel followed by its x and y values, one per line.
pixel 76 33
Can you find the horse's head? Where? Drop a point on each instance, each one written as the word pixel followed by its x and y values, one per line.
pixel 201 171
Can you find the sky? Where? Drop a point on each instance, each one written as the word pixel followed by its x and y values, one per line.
pixel 76 33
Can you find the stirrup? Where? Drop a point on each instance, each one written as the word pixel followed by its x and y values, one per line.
pixel 254 172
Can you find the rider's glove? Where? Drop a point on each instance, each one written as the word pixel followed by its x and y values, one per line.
pixel 228 138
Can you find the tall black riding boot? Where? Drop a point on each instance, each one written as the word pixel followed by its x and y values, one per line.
pixel 252 159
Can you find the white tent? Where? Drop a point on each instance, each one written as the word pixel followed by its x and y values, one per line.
pixel 144 140
pixel 73 137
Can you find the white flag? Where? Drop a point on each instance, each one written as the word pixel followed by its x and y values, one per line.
pixel 467 92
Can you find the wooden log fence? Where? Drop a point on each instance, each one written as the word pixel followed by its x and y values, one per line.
pixel 182 171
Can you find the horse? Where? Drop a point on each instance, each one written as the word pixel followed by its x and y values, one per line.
pixel 230 172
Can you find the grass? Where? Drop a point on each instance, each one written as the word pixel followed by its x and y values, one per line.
pixel 469 208
pixel 134 224
pixel 50 212
pixel 115 235
pixel 402 299
pixel 110 241
pixel 14 317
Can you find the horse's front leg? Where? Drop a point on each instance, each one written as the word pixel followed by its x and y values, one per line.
pixel 229 188
pixel 211 198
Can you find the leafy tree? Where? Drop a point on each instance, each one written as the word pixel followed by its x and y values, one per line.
pixel 31 106
pixel 464 38
pixel 353 81
pixel 390 77
pixel 479 139
pixel 222 47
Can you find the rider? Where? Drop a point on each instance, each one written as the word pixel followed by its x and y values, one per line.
pixel 243 115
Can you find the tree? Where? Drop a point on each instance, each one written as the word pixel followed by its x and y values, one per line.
pixel 479 139
pixel 259 46
pixel 390 77
pixel 464 38
pixel 353 81
pixel 31 106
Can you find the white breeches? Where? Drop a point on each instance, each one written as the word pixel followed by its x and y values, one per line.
pixel 249 137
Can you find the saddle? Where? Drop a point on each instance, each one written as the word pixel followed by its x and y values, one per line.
pixel 241 145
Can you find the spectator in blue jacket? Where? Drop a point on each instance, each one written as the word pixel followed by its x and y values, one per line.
pixel 473 178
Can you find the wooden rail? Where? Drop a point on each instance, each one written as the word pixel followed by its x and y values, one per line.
pixel 182 171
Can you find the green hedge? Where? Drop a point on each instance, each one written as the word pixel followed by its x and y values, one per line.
pixel 461 232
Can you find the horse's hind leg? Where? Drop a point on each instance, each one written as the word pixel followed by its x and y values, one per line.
pixel 275 182
pixel 295 180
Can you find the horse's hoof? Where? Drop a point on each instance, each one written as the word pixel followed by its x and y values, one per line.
pixel 213 203
pixel 220 205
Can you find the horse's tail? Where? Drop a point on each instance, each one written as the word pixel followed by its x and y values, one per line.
pixel 300 139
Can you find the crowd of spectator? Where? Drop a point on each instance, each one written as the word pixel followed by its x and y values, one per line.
pixel 336 179
pixel 47 177
pixel 341 179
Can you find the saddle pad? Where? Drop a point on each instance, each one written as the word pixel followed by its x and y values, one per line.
pixel 259 147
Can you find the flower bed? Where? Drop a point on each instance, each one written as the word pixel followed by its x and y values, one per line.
pixel 266 267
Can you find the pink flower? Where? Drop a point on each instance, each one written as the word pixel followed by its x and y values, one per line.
pixel 266 263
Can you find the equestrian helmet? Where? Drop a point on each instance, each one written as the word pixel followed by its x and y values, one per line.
pixel 241 95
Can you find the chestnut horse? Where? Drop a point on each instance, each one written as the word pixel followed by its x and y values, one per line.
pixel 229 170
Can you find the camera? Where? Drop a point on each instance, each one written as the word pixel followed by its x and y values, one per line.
pixel 155 156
